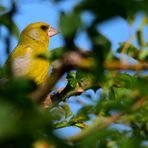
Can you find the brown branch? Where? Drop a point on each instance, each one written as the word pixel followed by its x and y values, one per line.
pixel 59 96
pixel 77 59
pixel 63 94
pixel 68 62
pixel 66 92
pixel 116 65
pixel 139 103
pixel 104 122
pixel 99 123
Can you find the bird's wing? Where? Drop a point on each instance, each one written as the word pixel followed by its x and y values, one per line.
pixel 20 58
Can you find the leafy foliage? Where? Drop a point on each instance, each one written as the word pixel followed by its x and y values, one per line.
pixel 123 97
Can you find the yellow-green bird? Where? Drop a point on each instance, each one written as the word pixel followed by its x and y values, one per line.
pixel 33 41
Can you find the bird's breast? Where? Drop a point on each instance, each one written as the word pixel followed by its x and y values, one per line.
pixel 31 66
pixel 20 64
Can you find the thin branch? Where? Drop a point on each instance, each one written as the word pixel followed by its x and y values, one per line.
pixel 81 125
pixel 116 65
pixel 68 62
pixel 73 60
pixel 63 94
pixel 98 124
pixel 104 122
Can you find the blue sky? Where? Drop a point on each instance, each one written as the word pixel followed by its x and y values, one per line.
pixel 117 29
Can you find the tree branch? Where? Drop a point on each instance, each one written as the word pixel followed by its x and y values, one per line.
pixel 73 60
pixel 99 123
pixel 104 122
pixel 69 61
pixel 64 93
pixel 117 65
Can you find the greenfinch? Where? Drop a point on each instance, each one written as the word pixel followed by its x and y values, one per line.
pixel 24 59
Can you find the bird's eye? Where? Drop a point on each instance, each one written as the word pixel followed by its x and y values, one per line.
pixel 43 27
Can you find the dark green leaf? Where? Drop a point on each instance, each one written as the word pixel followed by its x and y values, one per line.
pixel 69 24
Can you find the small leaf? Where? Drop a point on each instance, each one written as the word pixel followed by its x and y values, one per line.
pixel 130 50
pixel 11 26
pixel 2 8
pixel 131 19
pixel 81 125
pixel 83 114
pixel 54 54
pixel 124 81
pixel 144 22
pixel 72 81
pixel 143 54
pixel 140 38
pixel 67 110
pixel 57 114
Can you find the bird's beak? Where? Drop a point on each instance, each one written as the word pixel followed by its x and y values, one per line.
pixel 52 32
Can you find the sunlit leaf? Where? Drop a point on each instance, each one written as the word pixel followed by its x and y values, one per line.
pixel 144 55
pixel 67 110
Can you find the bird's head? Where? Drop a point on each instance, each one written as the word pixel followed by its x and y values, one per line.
pixel 39 32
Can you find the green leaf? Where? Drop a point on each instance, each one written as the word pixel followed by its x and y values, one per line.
pixel 8 123
pixel 83 77
pixel 67 110
pixel 9 23
pixel 140 38
pixel 131 50
pixel 54 54
pixel 83 114
pixel 57 114
pixel 2 8
pixel 144 22
pixel 124 81
pixel 143 55
pixel 141 85
pixel 134 142
pixel 7 20
pixel 131 19
pixel 69 24
pixel 72 81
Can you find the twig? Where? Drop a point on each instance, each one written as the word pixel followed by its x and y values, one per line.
pixel 104 122
pixel 69 61
pixel 140 102
pixel 81 125
pixel 62 95
pixel 73 60
pixel 99 123
pixel 116 65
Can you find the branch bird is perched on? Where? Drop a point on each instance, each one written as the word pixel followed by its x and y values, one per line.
pixel 34 40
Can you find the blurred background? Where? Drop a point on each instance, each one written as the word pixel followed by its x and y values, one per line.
pixel 117 30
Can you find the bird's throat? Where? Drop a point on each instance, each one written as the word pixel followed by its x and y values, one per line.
pixel 38 45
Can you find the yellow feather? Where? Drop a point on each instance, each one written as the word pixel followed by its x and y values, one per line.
pixel 33 41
